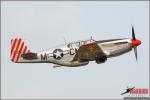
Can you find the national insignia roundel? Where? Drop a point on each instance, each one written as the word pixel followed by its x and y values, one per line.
pixel 58 54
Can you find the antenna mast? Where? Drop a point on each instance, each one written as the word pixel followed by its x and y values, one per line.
pixel 64 40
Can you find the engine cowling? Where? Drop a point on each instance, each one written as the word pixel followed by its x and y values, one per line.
pixel 100 59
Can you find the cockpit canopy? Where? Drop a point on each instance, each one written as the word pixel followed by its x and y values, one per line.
pixel 79 43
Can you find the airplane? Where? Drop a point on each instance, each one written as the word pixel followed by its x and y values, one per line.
pixel 127 90
pixel 75 54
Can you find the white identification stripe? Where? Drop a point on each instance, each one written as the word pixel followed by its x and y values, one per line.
pixel 12 43
pixel 22 51
pixel 15 59
pixel 14 49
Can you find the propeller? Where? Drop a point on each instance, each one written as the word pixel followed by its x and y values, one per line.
pixel 135 43
pixel 133 34
pixel 135 52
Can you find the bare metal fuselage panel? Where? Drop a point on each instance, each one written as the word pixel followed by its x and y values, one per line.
pixel 79 53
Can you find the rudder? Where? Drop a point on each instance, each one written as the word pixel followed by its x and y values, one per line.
pixel 18 48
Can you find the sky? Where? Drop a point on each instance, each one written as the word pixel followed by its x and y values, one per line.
pixel 45 24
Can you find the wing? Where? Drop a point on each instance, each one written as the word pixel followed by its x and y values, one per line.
pixel 88 52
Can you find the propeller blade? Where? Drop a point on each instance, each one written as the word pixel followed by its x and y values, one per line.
pixel 135 52
pixel 133 34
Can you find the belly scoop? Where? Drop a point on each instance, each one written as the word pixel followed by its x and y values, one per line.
pixel 73 63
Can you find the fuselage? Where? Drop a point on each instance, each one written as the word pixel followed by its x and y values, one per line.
pixel 65 54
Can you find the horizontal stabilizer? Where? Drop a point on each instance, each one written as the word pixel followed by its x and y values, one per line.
pixel 29 56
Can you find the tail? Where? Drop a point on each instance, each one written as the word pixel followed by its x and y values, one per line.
pixel 18 48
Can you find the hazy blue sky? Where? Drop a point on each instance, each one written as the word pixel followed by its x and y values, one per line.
pixel 43 25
